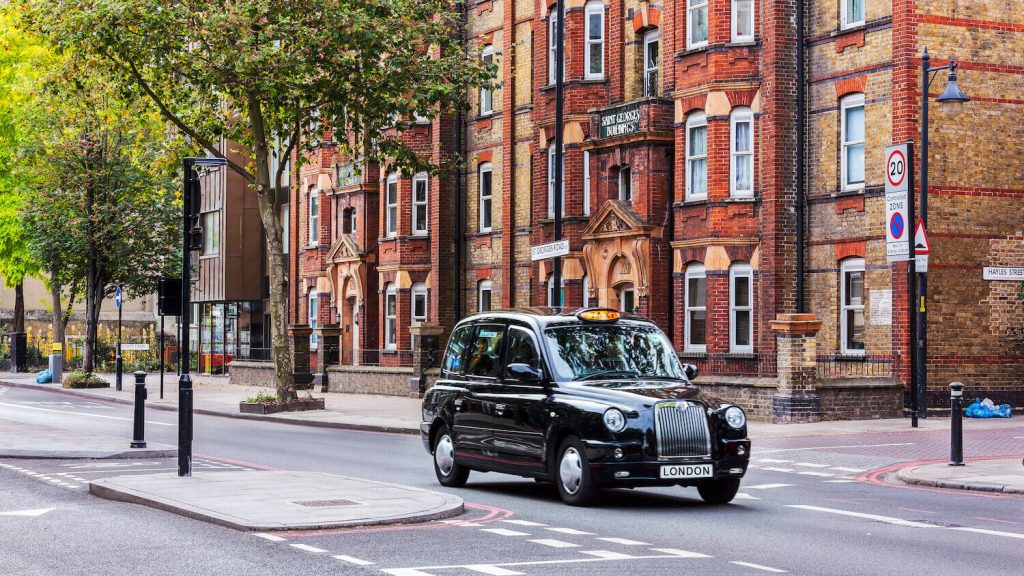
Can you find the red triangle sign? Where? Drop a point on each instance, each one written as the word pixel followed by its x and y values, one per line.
pixel 921 245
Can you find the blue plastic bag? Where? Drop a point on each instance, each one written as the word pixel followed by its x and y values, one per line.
pixel 987 409
pixel 44 377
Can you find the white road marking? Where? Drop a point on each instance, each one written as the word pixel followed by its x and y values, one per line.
pixel 608 554
pixel 680 553
pixel 308 548
pixel 776 469
pixel 842 481
pixel 352 560
pixel 28 513
pixel 818 474
pixel 624 541
pixel 828 447
pixel 771 460
pixel 270 537
pixel 405 572
pixel 503 532
pixel 875 517
pixel 989 532
pixel 523 523
pixel 493 570
pixel 82 414
pixel 758 567
pixel 555 543
pixel 745 496
pixel 845 469
pixel 572 531
pixel 766 486
pixel 812 465
pixel 470 524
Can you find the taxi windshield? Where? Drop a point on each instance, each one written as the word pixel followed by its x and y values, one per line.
pixel 611 351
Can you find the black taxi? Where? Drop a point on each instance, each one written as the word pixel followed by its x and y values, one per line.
pixel 587 399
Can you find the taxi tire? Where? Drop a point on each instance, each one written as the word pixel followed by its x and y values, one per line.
pixel 719 491
pixel 457 476
pixel 587 492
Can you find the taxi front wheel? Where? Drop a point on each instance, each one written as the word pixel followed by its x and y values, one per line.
pixel 573 476
pixel 719 491
pixel 449 473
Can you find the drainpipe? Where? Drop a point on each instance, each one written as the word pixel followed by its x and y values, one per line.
pixel 460 145
pixel 801 305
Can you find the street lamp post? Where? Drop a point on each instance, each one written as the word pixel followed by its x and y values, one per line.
pixel 558 157
pixel 952 93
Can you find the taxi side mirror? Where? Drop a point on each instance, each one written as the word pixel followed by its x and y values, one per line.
pixel 523 372
pixel 690 370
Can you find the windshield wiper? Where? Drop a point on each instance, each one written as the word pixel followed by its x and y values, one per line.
pixel 594 375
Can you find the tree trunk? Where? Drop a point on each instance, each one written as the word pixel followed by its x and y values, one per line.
pixel 93 302
pixel 19 307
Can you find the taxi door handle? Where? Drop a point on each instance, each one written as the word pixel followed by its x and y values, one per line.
pixel 458 404
pixel 499 409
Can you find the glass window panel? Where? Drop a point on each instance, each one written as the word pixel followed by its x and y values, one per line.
pixel 698 325
pixel 744 173
pixel 743 328
pixel 595 58
pixel 696 293
pixel 741 291
pixel 485 352
pixel 594 23
pixel 854 124
pixel 744 18
pixel 743 141
pixel 698 177
pixel 855 164
pixel 521 349
pixel 698 140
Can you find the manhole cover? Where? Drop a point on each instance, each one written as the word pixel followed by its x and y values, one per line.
pixel 326 503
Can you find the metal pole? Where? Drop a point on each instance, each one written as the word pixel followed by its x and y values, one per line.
pixel 118 365
pixel 912 291
pixel 162 356
pixel 139 436
pixel 556 277
pixel 185 381
pixel 956 424
pixel 922 278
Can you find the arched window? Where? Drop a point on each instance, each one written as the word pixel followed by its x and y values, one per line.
pixel 391 207
pixel 625 184
pixel 552 44
pixel 554 299
pixel 741 149
pixel 741 308
pixel 594 38
pixel 851 306
pixel 652 59
pixel 696 299
pixel 390 317
pixel 313 223
pixel 696 156
pixel 420 188
pixel 852 132
pixel 486 196
pixel 312 313
pixel 627 298
pixel 586 183
pixel 551 180
pixel 483 293
pixel 419 302
pixel 487 92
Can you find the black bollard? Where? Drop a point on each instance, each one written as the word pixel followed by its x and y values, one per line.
pixel 140 411
pixel 956 424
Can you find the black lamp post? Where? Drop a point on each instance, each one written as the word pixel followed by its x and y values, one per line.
pixel 952 93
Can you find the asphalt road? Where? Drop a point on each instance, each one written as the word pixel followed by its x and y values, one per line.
pixel 810 505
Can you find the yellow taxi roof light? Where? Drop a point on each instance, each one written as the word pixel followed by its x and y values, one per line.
pixel 599 315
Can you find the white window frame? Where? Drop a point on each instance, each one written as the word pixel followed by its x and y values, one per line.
pixel 419 292
pixel 845 21
pixel 487 92
pixel 586 291
pixel 848 266
pixel 312 311
pixel 418 230
pixel 482 287
pixel 652 36
pixel 848 102
pixel 390 319
pixel 593 7
pixel 485 201
pixel 211 233
pixel 313 217
pixel 736 36
pixel 741 115
pixel 694 121
pixel 286 228
pixel 551 181
pixel 586 183
pixel 692 7
pixel 547 290
pixel 625 182
pixel 552 40
pixel 353 220
pixel 741 271
pixel 391 207
pixel 694 271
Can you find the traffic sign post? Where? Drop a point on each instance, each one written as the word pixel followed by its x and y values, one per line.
pixel 921 248
pixel 118 365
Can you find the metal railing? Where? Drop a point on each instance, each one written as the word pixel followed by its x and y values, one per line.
pixel 732 364
pixel 651 83
pixel 850 366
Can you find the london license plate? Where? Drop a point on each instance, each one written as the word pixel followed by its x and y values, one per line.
pixel 688 471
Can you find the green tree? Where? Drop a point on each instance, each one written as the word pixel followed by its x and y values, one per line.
pixel 274 77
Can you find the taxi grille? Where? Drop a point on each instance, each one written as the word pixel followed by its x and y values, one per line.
pixel 681 433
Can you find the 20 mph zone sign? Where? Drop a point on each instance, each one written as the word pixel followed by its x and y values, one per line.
pixel 897 185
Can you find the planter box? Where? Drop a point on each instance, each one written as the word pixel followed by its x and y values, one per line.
pixel 274 407
pixel 94 384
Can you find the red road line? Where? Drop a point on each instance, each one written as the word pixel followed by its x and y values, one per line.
pixel 875 477
pixel 493 514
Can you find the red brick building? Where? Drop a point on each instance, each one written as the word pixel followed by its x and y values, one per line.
pixel 690 198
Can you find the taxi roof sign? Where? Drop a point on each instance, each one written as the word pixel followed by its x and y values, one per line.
pixel 599 315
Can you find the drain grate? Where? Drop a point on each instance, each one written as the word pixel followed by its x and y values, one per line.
pixel 326 503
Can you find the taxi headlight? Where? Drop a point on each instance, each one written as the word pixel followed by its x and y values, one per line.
pixel 615 420
pixel 735 417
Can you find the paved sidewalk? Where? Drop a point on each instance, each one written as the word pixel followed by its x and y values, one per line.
pixel 993 475
pixel 277 500
pixel 20 440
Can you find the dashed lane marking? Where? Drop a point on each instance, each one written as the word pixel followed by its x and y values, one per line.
pixel 572 531
pixel 745 496
pixel 270 537
pixel 28 513
pixel 607 554
pixel 988 532
pixel 624 541
pixel 811 465
pixel 82 414
pixel 845 469
pixel 493 570
pixel 776 469
pixel 758 567
pixel 406 572
pixel 665 553
pixel 865 516
pixel 503 532
pixel 771 460
pixel 680 553
pixel 308 548
pixel 818 474
pixel 351 560
pixel 523 523
pixel 766 486
pixel 554 543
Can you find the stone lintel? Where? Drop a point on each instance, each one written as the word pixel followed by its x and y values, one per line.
pixel 796 324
